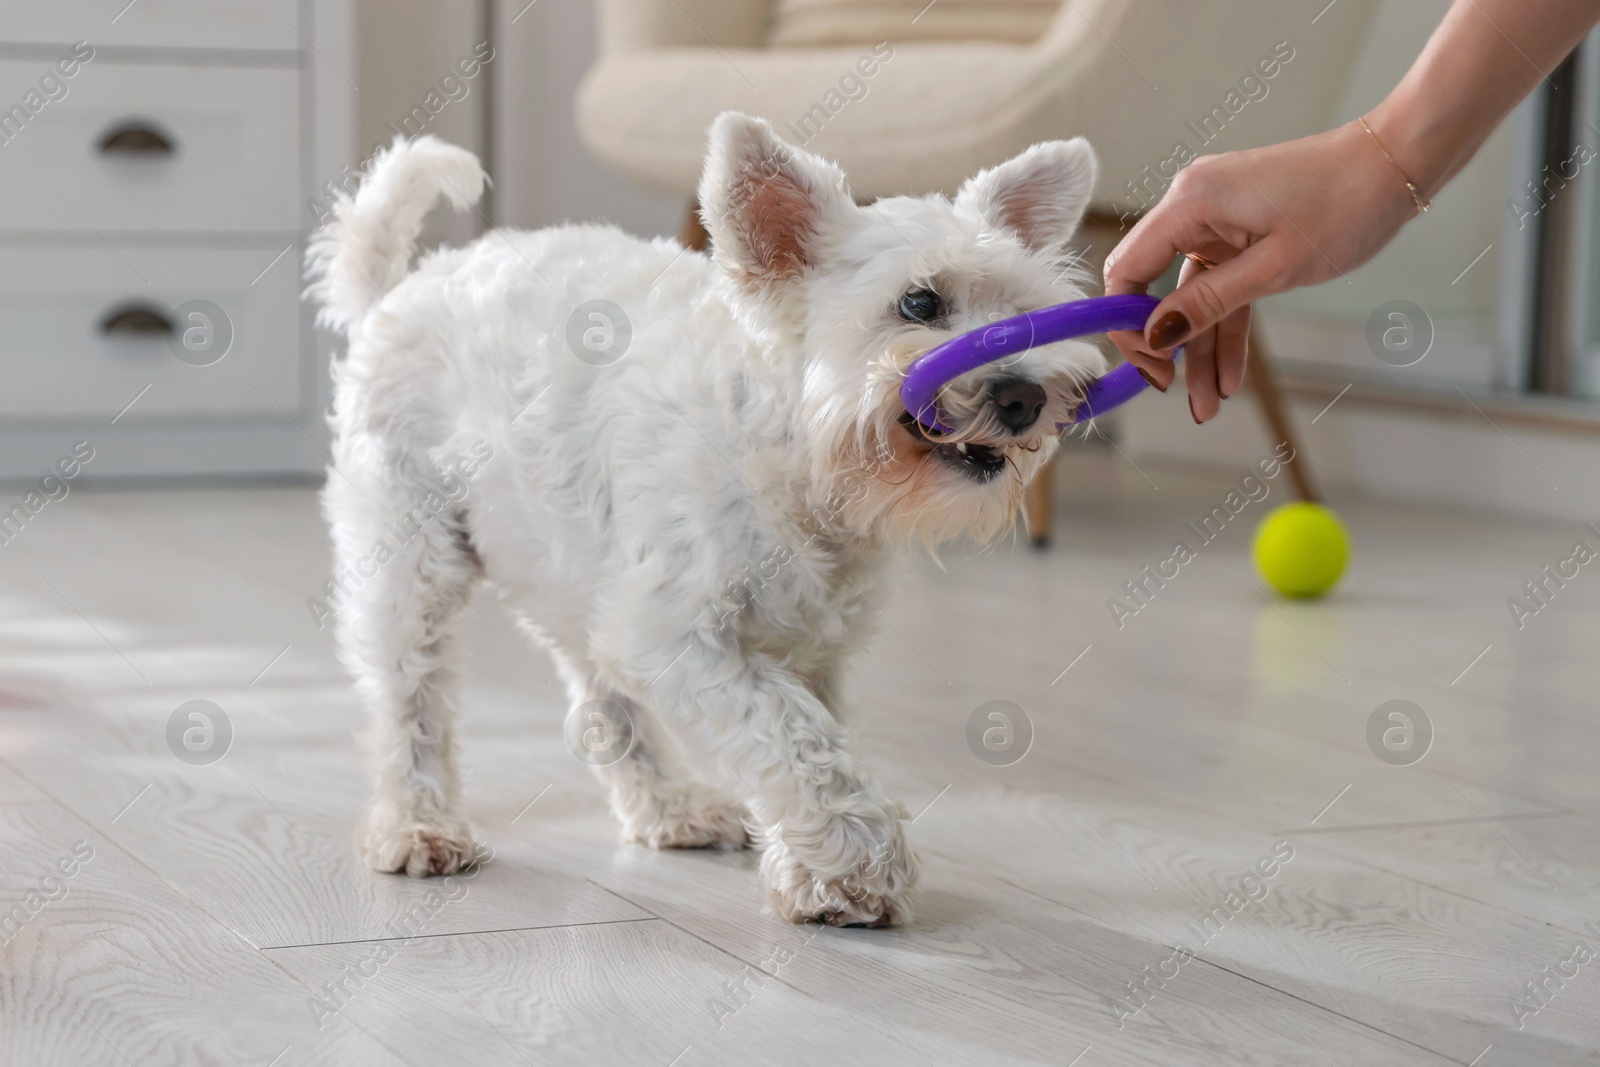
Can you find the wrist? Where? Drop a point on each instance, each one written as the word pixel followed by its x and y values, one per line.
pixel 1373 183
pixel 1417 199
pixel 1420 147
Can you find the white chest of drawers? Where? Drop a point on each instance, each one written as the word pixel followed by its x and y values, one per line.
pixel 158 164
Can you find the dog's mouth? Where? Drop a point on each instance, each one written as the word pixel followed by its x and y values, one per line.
pixel 979 462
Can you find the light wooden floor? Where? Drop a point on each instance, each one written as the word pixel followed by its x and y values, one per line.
pixel 1170 758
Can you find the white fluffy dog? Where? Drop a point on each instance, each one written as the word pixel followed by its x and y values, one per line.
pixel 693 530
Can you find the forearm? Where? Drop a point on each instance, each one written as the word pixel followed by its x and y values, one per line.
pixel 1485 56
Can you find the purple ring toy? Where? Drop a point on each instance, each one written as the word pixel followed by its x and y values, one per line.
pixel 940 366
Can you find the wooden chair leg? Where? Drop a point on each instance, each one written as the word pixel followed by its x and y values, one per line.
pixel 692 234
pixel 1263 380
pixel 1038 505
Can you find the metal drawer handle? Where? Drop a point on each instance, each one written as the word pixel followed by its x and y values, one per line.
pixel 136 138
pixel 136 320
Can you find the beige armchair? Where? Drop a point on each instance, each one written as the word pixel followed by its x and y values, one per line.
pixel 904 109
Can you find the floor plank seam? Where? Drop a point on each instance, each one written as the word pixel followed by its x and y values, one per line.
pixel 1328 850
pixel 1218 966
pixel 120 847
pixel 713 946
pixel 462 933
pixel 1464 820
pixel 1331 1011
pixel 293 979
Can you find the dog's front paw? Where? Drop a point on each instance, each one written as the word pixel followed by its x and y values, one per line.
pixel 419 847
pixel 863 877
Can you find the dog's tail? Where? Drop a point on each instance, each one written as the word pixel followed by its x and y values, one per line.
pixel 365 247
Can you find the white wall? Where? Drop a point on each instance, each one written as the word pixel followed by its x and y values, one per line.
pixel 543 175
pixel 1430 253
pixel 405 48
pixel 546 176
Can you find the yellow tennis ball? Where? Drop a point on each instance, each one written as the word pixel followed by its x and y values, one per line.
pixel 1301 549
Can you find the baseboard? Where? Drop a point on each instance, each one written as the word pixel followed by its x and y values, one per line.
pixel 1497 454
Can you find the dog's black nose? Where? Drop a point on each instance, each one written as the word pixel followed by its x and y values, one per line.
pixel 1018 402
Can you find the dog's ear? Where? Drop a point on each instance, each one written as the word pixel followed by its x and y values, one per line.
pixel 765 203
pixel 1041 194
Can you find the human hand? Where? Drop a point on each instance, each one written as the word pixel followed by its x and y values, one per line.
pixel 1271 219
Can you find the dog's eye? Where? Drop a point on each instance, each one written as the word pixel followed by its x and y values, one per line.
pixel 920 305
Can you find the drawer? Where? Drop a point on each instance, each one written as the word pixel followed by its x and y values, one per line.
pixel 57 359
pixel 154 23
pixel 230 165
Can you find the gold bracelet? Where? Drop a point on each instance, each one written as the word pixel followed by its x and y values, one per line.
pixel 1422 205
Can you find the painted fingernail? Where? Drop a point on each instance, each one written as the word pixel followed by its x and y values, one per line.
pixel 1192 415
pixel 1171 329
pixel 1151 382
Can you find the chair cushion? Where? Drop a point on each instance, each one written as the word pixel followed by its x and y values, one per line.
pixel 646 114
pixel 828 22
pixel 1138 83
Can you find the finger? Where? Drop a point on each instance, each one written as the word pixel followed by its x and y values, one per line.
pixel 1157 369
pixel 1205 298
pixel 1119 286
pixel 1200 375
pixel 1154 367
pixel 1233 351
pixel 1131 343
pixel 1136 350
pixel 1144 255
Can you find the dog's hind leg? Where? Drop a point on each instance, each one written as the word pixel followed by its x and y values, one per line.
pixel 407 574
pixel 656 801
